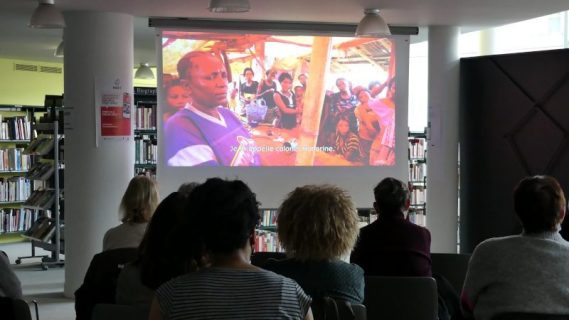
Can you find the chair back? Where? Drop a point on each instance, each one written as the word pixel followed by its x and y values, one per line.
pixel 14 309
pixel 452 266
pixel 327 308
pixel 259 259
pixel 99 285
pixel 529 316
pixel 120 312
pixel 402 298
pixel 360 311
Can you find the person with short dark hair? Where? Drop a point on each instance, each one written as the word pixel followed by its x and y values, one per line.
pixel 526 272
pixel 302 78
pixel 318 226
pixel 222 219
pixel 206 132
pixel 391 245
pixel 286 102
pixel 248 89
pixel 267 89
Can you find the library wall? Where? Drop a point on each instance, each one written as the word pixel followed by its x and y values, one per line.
pixel 514 123
pixel 21 87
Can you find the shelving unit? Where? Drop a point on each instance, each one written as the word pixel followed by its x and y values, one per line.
pixel 15 134
pixel 418 177
pixel 47 197
pixel 145 133
pixel 266 239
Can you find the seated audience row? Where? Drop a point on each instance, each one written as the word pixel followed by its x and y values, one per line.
pixel 194 260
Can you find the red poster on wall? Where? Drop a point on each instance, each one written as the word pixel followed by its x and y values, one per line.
pixel 115 115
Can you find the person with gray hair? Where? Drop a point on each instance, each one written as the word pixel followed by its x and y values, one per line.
pixel 525 272
pixel 393 246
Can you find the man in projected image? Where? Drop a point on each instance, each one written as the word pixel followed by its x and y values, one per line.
pixel 205 132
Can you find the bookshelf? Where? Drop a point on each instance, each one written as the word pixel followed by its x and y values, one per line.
pixel 47 196
pixel 145 133
pixel 418 178
pixel 15 188
pixel 266 239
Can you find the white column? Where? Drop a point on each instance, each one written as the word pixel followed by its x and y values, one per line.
pixel 97 46
pixel 442 194
pixel 487 42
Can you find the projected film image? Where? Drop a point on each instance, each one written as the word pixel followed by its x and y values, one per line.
pixel 272 100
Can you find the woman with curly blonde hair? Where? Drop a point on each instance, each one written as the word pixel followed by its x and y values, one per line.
pixel 318 226
pixel 136 208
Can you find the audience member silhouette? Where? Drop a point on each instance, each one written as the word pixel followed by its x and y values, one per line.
pixel 318 226
pixel 222 216
pixel 10 286
pixel 137 206
pixel 526 272
pixel 393 246
pixel 160 257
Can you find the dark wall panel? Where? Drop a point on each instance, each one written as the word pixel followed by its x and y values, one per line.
pixel 514 114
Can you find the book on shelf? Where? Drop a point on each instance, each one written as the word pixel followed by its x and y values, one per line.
pixel 40 171
pixel 14 159
pixel 42 230
pixel 40 146
pixel 145 116
pixel 417 171
pixel 14 189
pixel 146 149
pixel 41 199
pixel 418 195
pixel 417 216
pixel 15 128
pixel 268 217
pixel 266 241
pixel 17 219
pixel 417 148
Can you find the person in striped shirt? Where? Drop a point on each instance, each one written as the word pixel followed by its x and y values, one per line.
pixel 347 142
pixel 221 225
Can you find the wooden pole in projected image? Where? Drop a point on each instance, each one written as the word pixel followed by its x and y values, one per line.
pixel 313 100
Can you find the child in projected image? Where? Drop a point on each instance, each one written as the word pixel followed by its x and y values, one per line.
pixel 177 96
pixel 368 123
pixel 347 142
pixel 286 102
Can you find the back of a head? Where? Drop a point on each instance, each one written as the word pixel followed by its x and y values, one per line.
pixel 139 200
pixel 160 257
pixel 391 196
pixel 223 213
pixel 317 222
pixel 186 188
pixel 539 202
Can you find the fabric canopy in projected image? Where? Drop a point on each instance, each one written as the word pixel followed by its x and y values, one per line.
pixel 272 100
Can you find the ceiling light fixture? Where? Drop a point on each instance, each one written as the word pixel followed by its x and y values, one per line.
pixel 144 72
pixel 372 25
pixel 229 6
pixel 46 16
pixel 59 50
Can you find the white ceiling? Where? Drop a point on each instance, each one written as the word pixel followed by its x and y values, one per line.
pixel 18 41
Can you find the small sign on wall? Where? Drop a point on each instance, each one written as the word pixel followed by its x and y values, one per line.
pixel 113 108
